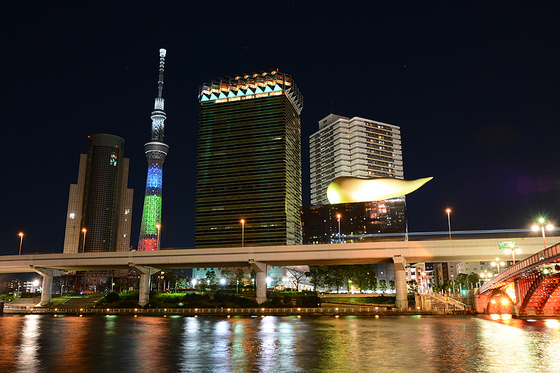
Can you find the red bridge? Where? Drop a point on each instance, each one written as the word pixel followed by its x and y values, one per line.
pixel 530 287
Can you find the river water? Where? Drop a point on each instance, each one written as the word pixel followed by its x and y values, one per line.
pixel 42 343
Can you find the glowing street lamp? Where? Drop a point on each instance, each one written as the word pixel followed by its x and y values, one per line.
pixel 497 263
pixel 20 241
pixel 242 221
pixel 449 221
pixel 194 281
pixel 513 250
pixel 84 241
pixel 338 218
pixel 540 225
pixel 158 226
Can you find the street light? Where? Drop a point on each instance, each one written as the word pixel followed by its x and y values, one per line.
pixel 20 241
pixel 497 263
pixel 540 225
pixel 449 221
pixel 513 251
pixel 158 226
pixel 84 241
pixel 338 218
pixel 242 221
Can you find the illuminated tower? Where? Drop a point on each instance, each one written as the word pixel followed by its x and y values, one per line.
pixel 249 161
pixel 100 204
pixel 155 151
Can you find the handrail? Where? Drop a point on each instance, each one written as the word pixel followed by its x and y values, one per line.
pixel 547 255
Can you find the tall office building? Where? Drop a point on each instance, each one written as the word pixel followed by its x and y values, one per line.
pixel 100 204
pixel 352 147
pixel 156 151
pixel 249 161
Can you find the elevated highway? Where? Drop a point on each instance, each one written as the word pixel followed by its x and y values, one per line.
pixel 149 262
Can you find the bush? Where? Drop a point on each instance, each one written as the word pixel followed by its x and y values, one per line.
pixel 127 304
pixel 112 297
pixel 309 301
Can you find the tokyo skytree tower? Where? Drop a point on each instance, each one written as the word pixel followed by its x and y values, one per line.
pixel 156 151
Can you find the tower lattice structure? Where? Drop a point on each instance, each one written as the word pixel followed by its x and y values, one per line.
pixel 156 151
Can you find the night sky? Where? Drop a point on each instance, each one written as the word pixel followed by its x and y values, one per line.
pixel 474 87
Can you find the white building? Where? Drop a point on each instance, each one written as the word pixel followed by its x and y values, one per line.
pixel 352 147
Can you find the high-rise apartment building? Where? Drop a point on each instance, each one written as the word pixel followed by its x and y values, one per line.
pixel 100 204
pixel 156 151
pixel 249 161
pixel 352 147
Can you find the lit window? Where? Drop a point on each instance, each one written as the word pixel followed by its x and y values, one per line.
pixel 72 215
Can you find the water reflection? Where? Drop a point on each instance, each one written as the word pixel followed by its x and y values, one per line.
pixel 26 360
pixel 277 344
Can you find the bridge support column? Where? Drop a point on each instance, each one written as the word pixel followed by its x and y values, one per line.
pixel 47 274
pixel 260 269
pixel 400 282
pixel 515 307
pixel 145 277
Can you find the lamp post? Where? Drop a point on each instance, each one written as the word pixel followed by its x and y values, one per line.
pixel 242 232
pixel 449 221
pixel 84 241
pixel 540 225
pixel 497 263
pixel 513 251
pixel 20 241
pixel 158 226
pixel 338 219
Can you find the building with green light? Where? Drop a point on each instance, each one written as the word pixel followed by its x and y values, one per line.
pixel 249 162
pixel 100 204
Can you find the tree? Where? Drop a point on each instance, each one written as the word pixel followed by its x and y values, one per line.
pixel 182 282
pixel 335 277
pixel 316 275
pixel 297 274
pixel 239 276
pixel 412 286
pixel 211 277
pixel 364 277
pixel 473 278
pixel 383 285
pixel 392 285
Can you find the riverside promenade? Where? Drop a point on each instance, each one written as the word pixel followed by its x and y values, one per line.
pixel 224 312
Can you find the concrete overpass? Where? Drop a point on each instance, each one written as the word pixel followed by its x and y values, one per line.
pixel 147 263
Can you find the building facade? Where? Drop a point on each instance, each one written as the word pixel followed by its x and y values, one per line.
pixel 249 162
pixel 100 205
pixel 359 222
pixel 352 147
pixel 156 151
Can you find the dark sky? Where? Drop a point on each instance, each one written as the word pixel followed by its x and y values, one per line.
pixel 474 87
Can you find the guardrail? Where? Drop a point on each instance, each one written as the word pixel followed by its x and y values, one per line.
pixel 535 260
pixel 334 311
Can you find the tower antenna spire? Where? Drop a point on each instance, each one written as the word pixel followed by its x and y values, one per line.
pixel 162 53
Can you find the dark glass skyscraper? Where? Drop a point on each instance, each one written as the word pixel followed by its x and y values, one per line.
pixel 249 161
pixel 100 204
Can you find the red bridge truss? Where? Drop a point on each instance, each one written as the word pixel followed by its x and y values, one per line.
pixel 530 287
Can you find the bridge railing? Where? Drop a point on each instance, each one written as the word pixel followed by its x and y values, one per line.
pixel 542 257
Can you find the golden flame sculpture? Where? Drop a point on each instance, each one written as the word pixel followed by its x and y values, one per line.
pixel 352 189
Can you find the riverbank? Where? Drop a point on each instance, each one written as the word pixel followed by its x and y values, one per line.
pixel 321 311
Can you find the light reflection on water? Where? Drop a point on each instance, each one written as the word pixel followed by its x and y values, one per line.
pixel 35 343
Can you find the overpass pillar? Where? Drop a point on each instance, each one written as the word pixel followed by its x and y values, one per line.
pixel 145 277
pixel 400 282
pixel 47 274
pixel 260 269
